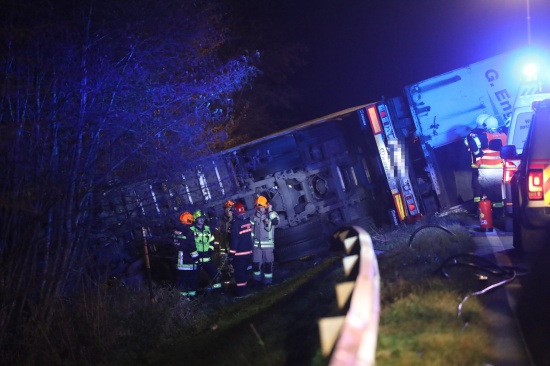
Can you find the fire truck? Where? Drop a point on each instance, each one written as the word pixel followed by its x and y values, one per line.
pixel 389 162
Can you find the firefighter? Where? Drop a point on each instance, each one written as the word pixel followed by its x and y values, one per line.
pixel 485 146
pixel 473 144
pixel 265 220
pixel 204 241
pixel 225 222
pixel 187 279
pixel 240 254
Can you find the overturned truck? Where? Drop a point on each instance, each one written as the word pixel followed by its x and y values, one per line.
pixel 318 176
pixel 377 164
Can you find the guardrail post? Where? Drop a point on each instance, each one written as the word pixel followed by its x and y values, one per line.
pixel 351 339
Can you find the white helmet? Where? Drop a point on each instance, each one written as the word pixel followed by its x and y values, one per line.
pixel 491 123
pixel 480 120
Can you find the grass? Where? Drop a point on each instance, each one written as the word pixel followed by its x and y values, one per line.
pixel 278 325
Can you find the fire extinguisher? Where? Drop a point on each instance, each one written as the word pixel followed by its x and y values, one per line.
pixel 485 214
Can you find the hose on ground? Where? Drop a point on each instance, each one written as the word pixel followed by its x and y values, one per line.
pixel 425 227
pixel 510 273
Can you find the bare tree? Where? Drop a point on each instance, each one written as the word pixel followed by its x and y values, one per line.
pixel 90 92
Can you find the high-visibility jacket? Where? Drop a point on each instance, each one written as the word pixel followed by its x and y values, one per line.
pixel 184 241
pixel 483 156
pixel 204 241
pixel 491 158
pixel 263 233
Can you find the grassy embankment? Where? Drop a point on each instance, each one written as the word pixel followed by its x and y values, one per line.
pixel 419 324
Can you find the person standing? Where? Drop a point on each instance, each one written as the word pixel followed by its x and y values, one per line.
pixel 240 253
pixel 265 220
pixel 473 143
pixel 204 241
pixel 485 146
pixel 187 279
pixel 225 222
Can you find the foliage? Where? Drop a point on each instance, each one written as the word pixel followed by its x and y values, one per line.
pixel 92 93
pixel 271 105
pixel 111 326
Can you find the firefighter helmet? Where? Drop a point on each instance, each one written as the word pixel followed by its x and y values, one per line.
pixel 186 218
pixel 491 123
pixel 261 202
pixel 228 204
pixel 199 214
pixel 239 208
pixel 481 120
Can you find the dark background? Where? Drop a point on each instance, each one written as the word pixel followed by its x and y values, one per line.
pixel 360 50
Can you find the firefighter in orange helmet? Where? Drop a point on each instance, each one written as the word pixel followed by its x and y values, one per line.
pixel 265 220
pixel 184 241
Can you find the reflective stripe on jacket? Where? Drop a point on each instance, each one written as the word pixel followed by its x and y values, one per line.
pixel 491 158
pixel 241 236
pixel 184 241
pixel 263 234
pixel 204 242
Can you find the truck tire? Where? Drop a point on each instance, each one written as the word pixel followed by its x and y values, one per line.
pixel 300 241
pixel 528 240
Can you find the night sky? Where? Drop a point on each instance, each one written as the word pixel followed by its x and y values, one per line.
pixel 363 49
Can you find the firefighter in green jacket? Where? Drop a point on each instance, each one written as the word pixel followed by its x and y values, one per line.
pixel 204 240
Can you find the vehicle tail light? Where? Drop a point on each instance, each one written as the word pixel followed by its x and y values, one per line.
pixel 509 170
pixel 535 185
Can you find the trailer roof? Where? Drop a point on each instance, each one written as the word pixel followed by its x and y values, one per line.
pixel 317 121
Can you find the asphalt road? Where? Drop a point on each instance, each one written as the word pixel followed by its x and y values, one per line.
pixel 518 311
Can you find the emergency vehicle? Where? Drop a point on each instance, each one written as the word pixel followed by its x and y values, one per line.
pixel 530 185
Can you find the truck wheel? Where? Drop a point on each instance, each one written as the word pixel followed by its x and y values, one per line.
pixel 299 241
pixel 528 240
pixel 295 234
pixel 517 232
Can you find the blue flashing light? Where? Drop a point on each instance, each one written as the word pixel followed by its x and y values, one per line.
pixel 530 70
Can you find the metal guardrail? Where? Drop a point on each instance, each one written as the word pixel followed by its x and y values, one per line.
pixel 351 339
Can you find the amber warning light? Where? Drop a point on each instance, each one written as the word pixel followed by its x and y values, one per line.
pixel 374 120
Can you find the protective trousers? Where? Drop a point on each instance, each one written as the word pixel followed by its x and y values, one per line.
pixel 240 264
pixel 187 282
pixel 262 264
pixel 476 186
